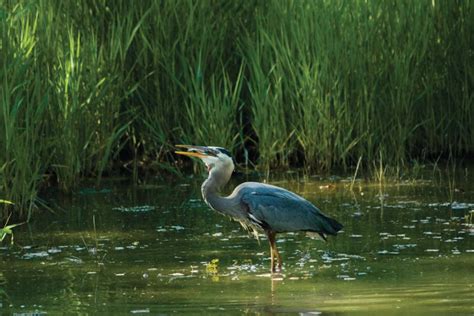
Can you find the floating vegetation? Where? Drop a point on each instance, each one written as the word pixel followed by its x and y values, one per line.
pixel 248 267
pixel 386 252
pixel 345 277
pixel 35 255
pixel 54 250
pixel 344 255
pixel 176 228
pixel 194 203
pixel 140 311
pixel 450 240
pixel 431 233
pixel 135 209
pixel 132 246
pixel 265 275
pixel 404 246
pixel 212 267
pixel 88 191
pixel 75 260
pixel 329 258
pixel 455 206
pixel 385 236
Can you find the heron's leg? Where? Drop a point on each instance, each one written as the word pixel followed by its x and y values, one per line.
pixel 272 259
pixel 277 254
pixel 271 240
pixel 273 251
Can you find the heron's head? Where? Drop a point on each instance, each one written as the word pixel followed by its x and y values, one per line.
pixel 217 159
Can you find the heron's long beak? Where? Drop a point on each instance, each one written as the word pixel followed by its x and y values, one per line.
pixel 193 151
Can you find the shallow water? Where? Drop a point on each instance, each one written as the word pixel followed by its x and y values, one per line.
pixel 158 249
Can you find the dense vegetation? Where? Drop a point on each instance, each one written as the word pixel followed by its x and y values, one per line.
pixel 90 86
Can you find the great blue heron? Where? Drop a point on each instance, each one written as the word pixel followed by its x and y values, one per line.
pixel 257 206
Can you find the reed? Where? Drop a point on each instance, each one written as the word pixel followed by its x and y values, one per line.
pixel 23 147
pixel 86 87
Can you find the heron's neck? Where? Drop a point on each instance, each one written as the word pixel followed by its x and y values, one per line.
pixel 210 192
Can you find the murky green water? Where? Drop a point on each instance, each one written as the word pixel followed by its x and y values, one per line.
pixel 404 250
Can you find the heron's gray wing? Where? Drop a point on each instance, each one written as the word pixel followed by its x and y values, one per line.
pixel 280 210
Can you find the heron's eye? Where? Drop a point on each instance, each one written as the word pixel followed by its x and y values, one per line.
pixel 210 152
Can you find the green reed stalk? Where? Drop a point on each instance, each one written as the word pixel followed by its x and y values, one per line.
pixel 271 113
pixel 22 115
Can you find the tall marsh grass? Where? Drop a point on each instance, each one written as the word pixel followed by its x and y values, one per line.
pixel 92 88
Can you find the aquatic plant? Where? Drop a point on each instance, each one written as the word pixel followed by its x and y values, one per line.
pixel 212 267
pixel 7 229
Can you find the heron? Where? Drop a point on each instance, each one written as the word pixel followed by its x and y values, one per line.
pixel 259 207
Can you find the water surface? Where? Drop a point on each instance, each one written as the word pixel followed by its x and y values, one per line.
pixel 407 247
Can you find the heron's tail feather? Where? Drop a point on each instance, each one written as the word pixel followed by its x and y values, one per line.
pixel 331 226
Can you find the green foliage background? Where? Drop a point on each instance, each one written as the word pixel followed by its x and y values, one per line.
pixel 86 86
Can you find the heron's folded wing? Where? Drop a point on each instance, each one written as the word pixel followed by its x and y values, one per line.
pixel 284 211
